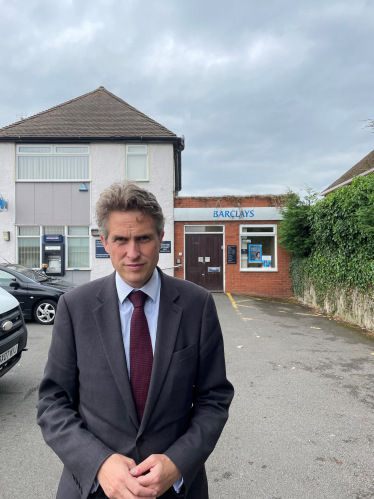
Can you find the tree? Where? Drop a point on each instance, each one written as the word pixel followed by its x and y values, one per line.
pixel 294 231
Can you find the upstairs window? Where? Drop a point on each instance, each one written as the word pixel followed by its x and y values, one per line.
pixel 137 162
pixel 53 162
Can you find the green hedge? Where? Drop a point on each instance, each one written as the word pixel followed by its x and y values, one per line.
pixel 340 241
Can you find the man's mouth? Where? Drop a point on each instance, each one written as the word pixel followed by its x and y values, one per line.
pixel 134 266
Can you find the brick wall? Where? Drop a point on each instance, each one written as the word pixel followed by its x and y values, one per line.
pixel 269 284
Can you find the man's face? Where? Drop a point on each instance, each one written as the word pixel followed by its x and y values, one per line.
pixel 133 246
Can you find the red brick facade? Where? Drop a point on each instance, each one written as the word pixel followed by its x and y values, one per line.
pixel 261 283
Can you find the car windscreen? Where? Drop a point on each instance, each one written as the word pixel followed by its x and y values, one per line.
pixel 35 275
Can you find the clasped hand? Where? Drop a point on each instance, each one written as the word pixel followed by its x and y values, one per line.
pixel 120 478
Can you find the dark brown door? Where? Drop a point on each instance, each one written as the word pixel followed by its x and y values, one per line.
pixel 204 260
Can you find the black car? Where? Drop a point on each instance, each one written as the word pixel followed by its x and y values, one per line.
pixel 36 292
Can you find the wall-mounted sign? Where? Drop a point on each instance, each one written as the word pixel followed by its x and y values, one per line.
pixel 226 214
pixel 3 204
pixel 53 238
pixel 100 250
pixel 166 247
pixel 231 254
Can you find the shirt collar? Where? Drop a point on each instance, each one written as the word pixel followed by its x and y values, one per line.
pixel 150 288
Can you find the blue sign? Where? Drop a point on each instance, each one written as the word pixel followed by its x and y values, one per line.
pixel 53 238
pixel 100 250
pixel 166 247
pixel 255 253
pixel 3 203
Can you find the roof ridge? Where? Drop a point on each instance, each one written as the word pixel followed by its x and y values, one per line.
pixel 50 109
pixel 136 110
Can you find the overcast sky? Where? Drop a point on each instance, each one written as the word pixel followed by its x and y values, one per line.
pixel 268 94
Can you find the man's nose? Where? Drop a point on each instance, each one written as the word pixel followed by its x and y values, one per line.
pixel 132 250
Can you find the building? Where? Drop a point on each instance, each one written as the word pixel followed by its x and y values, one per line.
pixel 230 244
pixel 362 168
pixel 55 164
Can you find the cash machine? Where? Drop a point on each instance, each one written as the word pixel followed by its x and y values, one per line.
pixel 53 254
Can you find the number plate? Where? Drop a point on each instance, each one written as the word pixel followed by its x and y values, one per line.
pixel 8 354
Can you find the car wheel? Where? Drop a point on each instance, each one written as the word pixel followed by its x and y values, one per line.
pixel 45 311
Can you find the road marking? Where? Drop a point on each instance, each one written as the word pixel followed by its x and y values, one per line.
pixel 311 315
pixel 232 301
pixel 248 306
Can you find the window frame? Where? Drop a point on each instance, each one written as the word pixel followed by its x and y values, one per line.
pixel 132 154
pixel 53 153
pixel 273 234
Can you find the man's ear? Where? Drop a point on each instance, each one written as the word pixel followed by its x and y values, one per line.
pixel 161 238
pixel 104 244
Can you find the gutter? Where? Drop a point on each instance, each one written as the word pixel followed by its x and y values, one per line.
pixel 179 141
pixel 327 191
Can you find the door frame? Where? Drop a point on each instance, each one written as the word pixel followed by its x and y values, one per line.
pixel 207 233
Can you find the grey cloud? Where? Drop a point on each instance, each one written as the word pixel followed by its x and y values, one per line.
pixel 268 94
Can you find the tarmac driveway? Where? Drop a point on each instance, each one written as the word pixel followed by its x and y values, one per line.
pixel 301 423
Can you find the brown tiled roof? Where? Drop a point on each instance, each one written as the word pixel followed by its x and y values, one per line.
pixel 367 163
pixel 98 114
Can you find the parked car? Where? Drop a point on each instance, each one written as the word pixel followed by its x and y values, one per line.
pixel 37 293
pixel 13 332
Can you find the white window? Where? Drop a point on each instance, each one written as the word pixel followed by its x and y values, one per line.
pixel 52 162
pixel 137 162
pixel 258 248
pixel 29 246
pixel 78 248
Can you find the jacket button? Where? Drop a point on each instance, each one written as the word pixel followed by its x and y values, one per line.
pixel 140 442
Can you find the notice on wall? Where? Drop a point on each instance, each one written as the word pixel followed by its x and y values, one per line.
pixel 231 253
pixel 166 247
pixel 100 250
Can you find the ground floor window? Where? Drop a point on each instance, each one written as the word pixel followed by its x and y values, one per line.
pixel 258 247
pixel 77 245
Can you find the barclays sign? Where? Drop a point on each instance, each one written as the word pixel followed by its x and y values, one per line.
pixel 226 214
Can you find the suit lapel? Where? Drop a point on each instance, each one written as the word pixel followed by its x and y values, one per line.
pixel 169 317
pixel 108 323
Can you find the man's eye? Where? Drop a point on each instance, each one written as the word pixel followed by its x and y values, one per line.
pixel 119 239
pixel 144 238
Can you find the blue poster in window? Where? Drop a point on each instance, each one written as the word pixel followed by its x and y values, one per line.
pixel 255 252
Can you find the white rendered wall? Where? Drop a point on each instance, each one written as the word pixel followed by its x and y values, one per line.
pixel 7 190
pixel 108 165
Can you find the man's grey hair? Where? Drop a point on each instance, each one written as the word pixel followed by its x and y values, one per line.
pixel 127 196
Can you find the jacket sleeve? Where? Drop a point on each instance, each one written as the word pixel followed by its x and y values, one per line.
pixel 58 417
pixel 212 397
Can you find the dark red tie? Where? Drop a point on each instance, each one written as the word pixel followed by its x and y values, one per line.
pixel 141 354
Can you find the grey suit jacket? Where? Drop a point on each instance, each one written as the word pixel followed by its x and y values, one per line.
pixel 86 409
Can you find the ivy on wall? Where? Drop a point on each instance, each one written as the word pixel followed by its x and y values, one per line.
pixel 340 242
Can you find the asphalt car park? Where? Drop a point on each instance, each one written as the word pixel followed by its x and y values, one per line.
pixel 36 292
pixel 301 422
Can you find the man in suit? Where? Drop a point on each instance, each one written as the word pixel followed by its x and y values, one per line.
pixel 134 395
